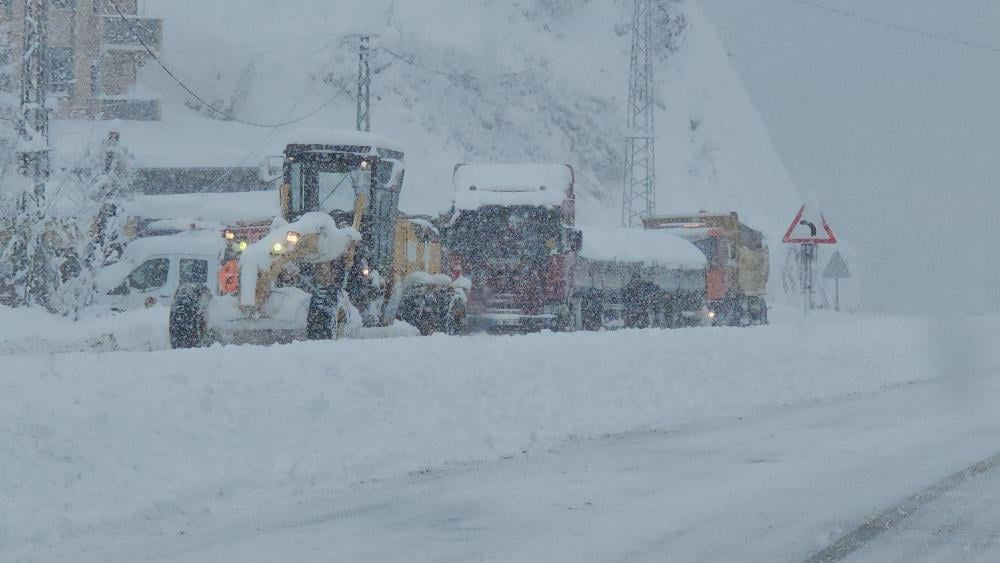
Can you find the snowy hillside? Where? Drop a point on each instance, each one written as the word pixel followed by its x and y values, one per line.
pixel 479 80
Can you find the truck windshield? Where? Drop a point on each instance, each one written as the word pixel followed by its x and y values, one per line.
pixel 327 185
pixel 506 232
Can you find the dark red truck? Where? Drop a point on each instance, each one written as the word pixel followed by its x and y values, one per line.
pixel 512 232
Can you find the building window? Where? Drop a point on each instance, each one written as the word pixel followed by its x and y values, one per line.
pixel 95 80
pixel 59 62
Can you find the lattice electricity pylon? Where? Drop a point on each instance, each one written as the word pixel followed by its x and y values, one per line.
pixel 364 86
pixel 640 143
pixel 33 151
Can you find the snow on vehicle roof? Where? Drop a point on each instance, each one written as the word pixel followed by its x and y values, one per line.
pixel 652 247
pixel 227 208
pixel 341 137
pixel 479 185
pixel 198 243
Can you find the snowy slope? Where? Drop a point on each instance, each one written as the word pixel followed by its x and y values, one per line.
pixel 534 80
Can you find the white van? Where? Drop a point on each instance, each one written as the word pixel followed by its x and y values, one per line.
pixel 151 269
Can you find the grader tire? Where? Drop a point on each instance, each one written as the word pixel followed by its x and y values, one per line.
pixel 188 319
pixel 319 319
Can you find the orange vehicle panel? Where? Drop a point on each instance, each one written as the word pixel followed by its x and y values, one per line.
pixel 716 284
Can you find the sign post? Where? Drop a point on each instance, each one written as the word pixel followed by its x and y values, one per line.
pixel 837 270
pixel 805 231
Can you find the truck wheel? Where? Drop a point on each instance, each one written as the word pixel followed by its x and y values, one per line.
pixel 591 313
pixel 188 319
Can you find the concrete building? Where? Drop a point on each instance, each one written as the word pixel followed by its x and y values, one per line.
pixel 93 56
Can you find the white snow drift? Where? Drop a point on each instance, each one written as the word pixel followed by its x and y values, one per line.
pixel 90 439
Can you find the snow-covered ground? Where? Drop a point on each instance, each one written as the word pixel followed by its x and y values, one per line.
pixel 105 444
pixel 34 332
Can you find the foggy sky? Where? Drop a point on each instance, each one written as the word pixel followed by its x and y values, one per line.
pixel 898 133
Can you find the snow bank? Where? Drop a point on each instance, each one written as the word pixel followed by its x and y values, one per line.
pixel 35 332
pixel 653 248
pixel 92 438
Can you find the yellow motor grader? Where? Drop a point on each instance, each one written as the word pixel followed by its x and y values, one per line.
pixel 341 261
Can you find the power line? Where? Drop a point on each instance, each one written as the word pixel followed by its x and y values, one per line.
pixel 319 36
pixel 194 94
pixel 410 61
pixel 898 27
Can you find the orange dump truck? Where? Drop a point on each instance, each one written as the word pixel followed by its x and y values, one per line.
pixel 738 263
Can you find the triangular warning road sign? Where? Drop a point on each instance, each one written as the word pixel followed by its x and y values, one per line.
pixel 806 229
pixel 836 268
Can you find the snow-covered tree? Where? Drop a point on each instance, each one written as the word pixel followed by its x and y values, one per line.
pixel 110 183
pixel 26 276
pixel 98 236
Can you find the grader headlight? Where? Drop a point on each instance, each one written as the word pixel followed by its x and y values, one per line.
pixel 292 237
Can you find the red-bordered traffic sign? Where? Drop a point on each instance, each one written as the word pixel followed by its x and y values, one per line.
pixel 811 234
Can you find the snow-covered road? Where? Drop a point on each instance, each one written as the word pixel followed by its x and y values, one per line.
pixel 776 485
pixel 701 445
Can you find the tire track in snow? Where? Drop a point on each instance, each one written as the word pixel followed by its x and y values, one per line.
pixel 887 520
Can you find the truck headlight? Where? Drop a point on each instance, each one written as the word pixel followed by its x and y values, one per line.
pixel 277 247
pixel 230 234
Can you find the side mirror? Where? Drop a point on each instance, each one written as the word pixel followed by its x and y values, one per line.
pixel 575 240
pixel 271 168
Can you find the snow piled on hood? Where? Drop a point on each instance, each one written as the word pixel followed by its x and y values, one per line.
pixel 332 242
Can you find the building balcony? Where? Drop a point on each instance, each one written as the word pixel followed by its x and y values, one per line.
pixel 130 109
pixel 120 35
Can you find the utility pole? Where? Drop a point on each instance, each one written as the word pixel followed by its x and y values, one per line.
pixel 33 150
pixel 807 256
pixel 640 159
pixel 364 86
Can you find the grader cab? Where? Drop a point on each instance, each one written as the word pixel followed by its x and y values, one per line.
pixel 331 266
